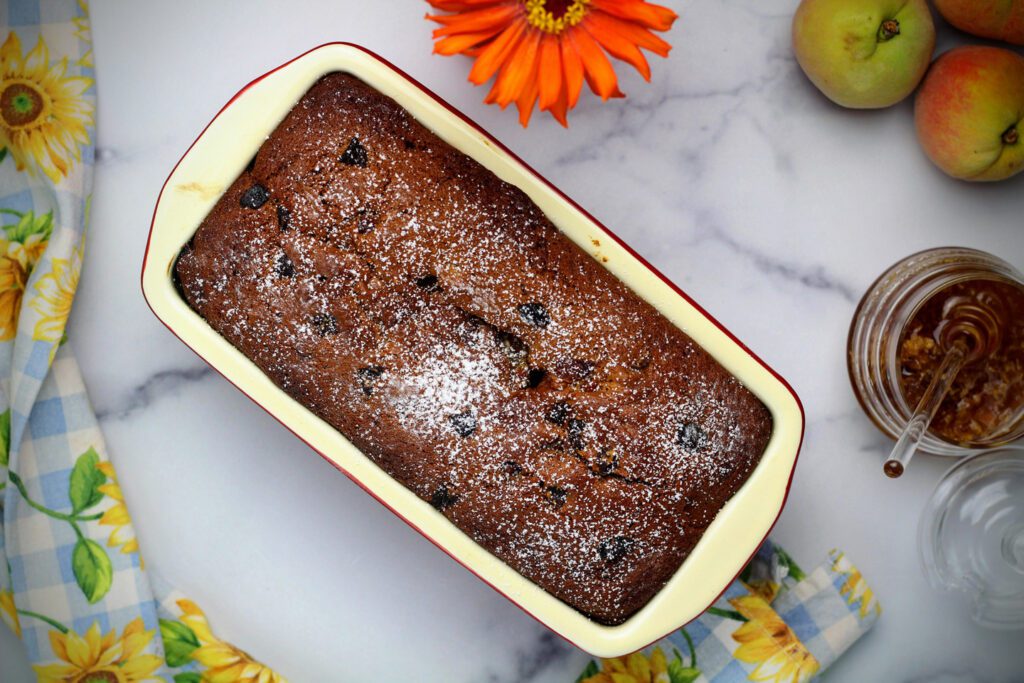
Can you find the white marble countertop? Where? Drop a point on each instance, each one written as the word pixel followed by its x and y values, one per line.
pixel 773 208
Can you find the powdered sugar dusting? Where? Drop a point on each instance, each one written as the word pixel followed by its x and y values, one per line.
pixel 448 381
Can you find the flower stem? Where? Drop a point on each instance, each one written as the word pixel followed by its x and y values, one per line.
pixel 20 485
pixel 693 650
pixel 795 571
pixel 726 613
pixel 52 622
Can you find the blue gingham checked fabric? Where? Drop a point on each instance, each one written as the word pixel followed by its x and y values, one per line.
pixel 72 582
pixel 774 623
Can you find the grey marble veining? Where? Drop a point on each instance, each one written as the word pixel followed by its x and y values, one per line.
pixel 729 172
pixel 154 386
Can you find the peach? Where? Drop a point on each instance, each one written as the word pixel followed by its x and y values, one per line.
pixel 996 19
pixel 969 113
pixel 864 54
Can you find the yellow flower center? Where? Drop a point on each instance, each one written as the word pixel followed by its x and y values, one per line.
pixel 554 16
pixel 106 676
pixel 21 103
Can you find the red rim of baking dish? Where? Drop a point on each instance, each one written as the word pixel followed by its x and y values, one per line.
pixel 491 139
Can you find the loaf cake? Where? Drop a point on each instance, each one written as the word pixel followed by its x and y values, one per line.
pixel 432 314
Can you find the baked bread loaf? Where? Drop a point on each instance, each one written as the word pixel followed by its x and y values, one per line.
pixel 435 317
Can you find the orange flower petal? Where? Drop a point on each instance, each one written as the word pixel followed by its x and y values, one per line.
pixel 525 102
pixel 472 22
pixel 461 43
pixel 495 54
pixel 635 33
pixel 560 107
pixel 573 69
pixel 461 5
pixel 549 71
pixel 606 34
pixel 438 33
pixel 597 69
pixel 518 71
pixel 492 95
pixel 652 16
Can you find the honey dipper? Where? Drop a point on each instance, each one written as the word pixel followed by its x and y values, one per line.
pixel 969 332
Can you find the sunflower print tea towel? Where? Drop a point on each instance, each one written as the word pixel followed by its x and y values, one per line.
pixel 72 582
pixel 775 623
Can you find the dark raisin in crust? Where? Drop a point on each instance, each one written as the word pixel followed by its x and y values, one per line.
pixel 464 423
pixel 255 197
pixel 355 154
pixel 535 313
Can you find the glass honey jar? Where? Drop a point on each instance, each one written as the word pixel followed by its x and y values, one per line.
pixel 928 310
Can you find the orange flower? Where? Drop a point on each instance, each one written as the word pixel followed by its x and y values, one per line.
pixel 541 51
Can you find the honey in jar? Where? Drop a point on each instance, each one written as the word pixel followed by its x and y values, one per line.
pixel 986 398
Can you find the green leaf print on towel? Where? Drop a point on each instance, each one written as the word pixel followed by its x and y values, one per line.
pixel 90 563
pixel 179 643
pixel 92 569
pixel 86 479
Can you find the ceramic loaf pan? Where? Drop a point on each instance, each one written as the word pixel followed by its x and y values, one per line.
pixel 218 157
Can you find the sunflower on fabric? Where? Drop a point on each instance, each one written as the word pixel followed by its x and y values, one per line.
pixel 540 52
pixel 22 245
pixel 96 657
pixel 54 294
pixel 222 662
pixel 43 114
pixel 766 641
pixel 634 668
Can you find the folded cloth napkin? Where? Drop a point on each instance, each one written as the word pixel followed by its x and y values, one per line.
pixel 774 623
pixel 72 582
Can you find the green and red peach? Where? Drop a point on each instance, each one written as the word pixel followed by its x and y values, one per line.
pixel 864 54
pixel 970 113
pixel 996 19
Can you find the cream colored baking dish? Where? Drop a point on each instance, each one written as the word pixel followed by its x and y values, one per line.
pixel 224 149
